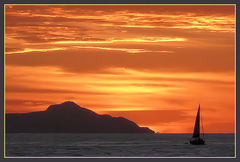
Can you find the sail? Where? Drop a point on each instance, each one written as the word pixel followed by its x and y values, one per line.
pixel 196 132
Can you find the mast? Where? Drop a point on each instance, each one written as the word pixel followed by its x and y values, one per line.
pixel 202 126
pixel 196 132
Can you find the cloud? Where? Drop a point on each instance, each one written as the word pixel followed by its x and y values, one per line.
pixel 128 50
pixel 27 103
pixel 22 90
pixel 151 63
pixel 152 117
pixel 71 24
pixel 89 60
pixel 129 17
pixel 24 105
pixel 26 50
pixel 143 40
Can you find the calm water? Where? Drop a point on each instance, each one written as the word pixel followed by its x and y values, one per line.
pixel 134 145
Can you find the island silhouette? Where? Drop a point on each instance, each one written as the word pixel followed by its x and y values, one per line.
pixel 68 117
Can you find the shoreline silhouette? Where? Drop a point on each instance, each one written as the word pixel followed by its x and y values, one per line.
pixel 68 117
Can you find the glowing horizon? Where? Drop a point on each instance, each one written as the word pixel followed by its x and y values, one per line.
pixel 151 66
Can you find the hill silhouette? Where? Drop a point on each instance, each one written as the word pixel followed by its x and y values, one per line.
pixel 68 117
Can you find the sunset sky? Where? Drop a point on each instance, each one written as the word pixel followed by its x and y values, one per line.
pixel 152 64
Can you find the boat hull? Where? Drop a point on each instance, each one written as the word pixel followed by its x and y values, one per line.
pixel 197 141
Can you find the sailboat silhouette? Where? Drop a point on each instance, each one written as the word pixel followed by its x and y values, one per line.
pixel 196 139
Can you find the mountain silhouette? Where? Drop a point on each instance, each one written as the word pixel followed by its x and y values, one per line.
pixel 68 117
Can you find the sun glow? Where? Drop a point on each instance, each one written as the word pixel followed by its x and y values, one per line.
pixel 150 64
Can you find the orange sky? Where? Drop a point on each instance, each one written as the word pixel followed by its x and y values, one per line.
pixel 152 64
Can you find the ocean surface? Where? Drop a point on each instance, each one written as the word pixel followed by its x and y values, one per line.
pixel 117 145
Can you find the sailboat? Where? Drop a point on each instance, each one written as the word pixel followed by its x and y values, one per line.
pixel 196 139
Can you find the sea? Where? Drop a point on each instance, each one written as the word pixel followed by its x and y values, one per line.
pixel 116 145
